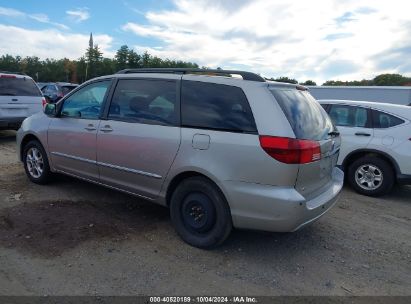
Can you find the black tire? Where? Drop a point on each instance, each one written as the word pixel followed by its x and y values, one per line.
pixel 200 213
pixel 382 169
pixel 45 174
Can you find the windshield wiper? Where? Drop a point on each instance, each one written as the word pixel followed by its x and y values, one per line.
pixel 334 133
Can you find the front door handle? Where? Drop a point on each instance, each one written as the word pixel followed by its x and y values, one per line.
pixel 362 134
pixel 90 127
pixel 106 129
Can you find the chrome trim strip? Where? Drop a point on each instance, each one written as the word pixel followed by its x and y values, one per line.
pixel 75 157
pixel 129 170
pixel 104 185
pixel 108 165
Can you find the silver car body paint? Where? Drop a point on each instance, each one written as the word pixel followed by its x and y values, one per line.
pixel 143 159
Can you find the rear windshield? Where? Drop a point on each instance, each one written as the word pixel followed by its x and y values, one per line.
pixel 66 89
pixel 18 87
pixel 306 116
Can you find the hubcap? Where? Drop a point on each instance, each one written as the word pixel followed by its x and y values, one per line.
pixel 34 162
pixel 368 177
pixel 198 212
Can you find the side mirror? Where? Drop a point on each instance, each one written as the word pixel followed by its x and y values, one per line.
pixel 50 109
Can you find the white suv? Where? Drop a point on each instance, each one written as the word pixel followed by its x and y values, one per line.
pixel 19 98
pixel 376 143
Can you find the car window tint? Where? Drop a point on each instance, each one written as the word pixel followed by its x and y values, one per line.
pixel 305 115
pixel 145 101
pixel 383 120
pixel 18 86
pixel 86 102
pixel 324 105
pixel 67 89
pixel 216 107
pixel 349 116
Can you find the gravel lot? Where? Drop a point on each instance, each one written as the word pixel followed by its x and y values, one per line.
pixel 75 238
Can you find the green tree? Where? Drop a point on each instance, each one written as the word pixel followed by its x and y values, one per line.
pixel 122 57
pixel 390 80
pixel 285 79
pixel 145 60
pixel 309 82
pixel 133 59
pixel 94 59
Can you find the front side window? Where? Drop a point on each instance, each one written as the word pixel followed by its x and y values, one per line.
pixel 216 107
pixel 383 120
pixel 86 102
pixel 349 116
pixel 145 101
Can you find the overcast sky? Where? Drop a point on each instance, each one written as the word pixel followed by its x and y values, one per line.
pixel 317 40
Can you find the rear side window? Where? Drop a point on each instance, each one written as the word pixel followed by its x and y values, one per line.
pixel 306 116
pixel 10 86
pixel 145 101
pixel 216 107
pixel 349 116
pixel 382 120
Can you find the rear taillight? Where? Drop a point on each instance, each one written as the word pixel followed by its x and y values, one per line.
pixel 44 101
pixel 291 150
pixel 7 76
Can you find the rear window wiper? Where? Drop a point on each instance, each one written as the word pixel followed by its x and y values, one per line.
pixel 334 133
pixel 7 94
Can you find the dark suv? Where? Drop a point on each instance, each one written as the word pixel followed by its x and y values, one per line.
pixel 55 91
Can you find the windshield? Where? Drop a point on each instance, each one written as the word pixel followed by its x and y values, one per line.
pixel 306 116
pixel 18 87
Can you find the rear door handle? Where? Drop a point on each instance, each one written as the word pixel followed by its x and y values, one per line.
pixel 106 129
pixel 90 127
pixel 362 134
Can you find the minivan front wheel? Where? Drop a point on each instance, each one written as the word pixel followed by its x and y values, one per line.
pixel 371 175
pixel 200 213
pixel 36 163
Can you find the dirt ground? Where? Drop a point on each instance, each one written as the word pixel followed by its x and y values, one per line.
pixel 75 238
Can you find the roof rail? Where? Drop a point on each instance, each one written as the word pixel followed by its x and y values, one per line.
pixel 17 73
pixel 245 75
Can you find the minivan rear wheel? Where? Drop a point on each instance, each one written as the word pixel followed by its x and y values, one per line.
pixel 371 175
pixel 200 213
pixel 36 163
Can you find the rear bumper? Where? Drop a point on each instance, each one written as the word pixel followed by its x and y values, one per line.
pixel 404 179
pixel 279 209
pixel 11 122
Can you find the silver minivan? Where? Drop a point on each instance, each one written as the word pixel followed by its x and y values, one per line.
pixel 19 98
pixel 220 151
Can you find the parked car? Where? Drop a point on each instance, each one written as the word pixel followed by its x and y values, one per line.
pixel 41 85
pixel 55 91
pixel 19 98
pixel 218 151
pixel 376 143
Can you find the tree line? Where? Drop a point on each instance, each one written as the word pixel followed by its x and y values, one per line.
pixel 93 64
pixel 380 80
